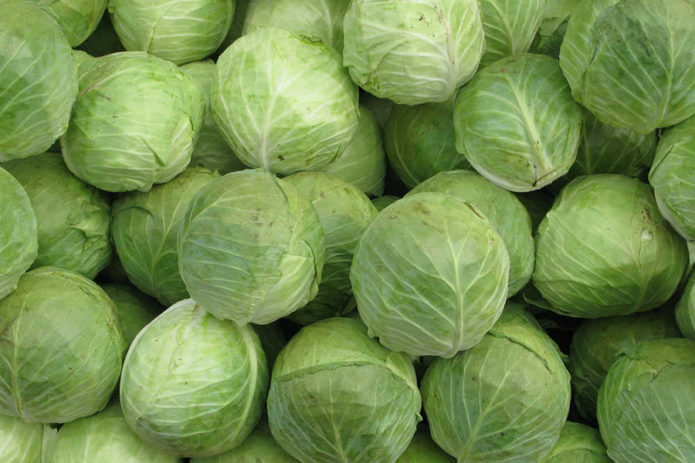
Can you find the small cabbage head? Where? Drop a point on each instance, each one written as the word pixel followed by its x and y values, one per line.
pixel 23 442
pixel 59 322
pixel 672 177
pixel 510 26
pixel 284 102
pixel 145 228
pixel 504 211
pixel 77 18
pixel 251 248
pixel 104 437
pixel 73 218
pixel 597 343
pixel 685 309
pixel 322 19
pixel 18 233
pixel 505 399
pixel 422 450
pixel 259 447
pixel 578 444
pixel 430 275
pixel 38 80
pixel 630 62
pixel 604 249
pixel 211 151
pixel 344 212
pixel 517 123
pixel 646 399
pixel 114 142
pixel 420 142
pixel 337 395
pixel 135 310
pixel 362 162
pixel 412 52
pixel 180 31
pixel 194 385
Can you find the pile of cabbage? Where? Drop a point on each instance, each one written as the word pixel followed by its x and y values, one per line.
pixel 332 231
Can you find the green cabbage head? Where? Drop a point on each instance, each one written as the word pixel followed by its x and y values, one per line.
pixel 578 444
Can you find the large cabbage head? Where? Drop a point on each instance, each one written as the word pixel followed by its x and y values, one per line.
pixel 18 233
pixel 251 248
pixel 61 345
pixel 73 218
pixel 322 19
pixel 283 101
pixel 24 442
pixel 104 437
pixel 604 249
pixel 645 411
pixel 413 52
pixel 135 123
pixel 194 385
pixel 673 175
pixel 180 31
pixel 597 343
pixel 77 18
pixel 685 309
pixel 344 212
pixel 211 151
pixel 505 399
pixel 578 443
pixel 259 447
pixel 145 228
pixel 517 123
pixel 430 275
pixel 38 80
pixel 631 62
pixel 337 395
pixel 504 211
pixel 420 142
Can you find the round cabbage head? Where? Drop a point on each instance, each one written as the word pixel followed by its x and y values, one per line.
pixel 672 176
pixel 105 436
pixel 509 26
pixel 503 210
pixel 24 442
pixel 610 150
pixel 430 275
pixel 251 248
pixel 194 385
pixel 597 343
pixel 422 450
pixel 420 142
pixel 284 102
pixel 180 31
pixel 604 249
pixel 158 115
pixel 517 123
pixel 145 228
pixel 73 218
pixel 59 322
pixel 630 62
pixel 38 80
pixel 259 447
pixel 77 18
pixel 135 310
pixel 644 407
pixel 685 309
pixel 322 19
pixel 338 395
pixel 18 233
pixel 362 162
pixel 412 52
pixel 578 444
pixel 505 399
pixel 211 151
pixel 344 212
